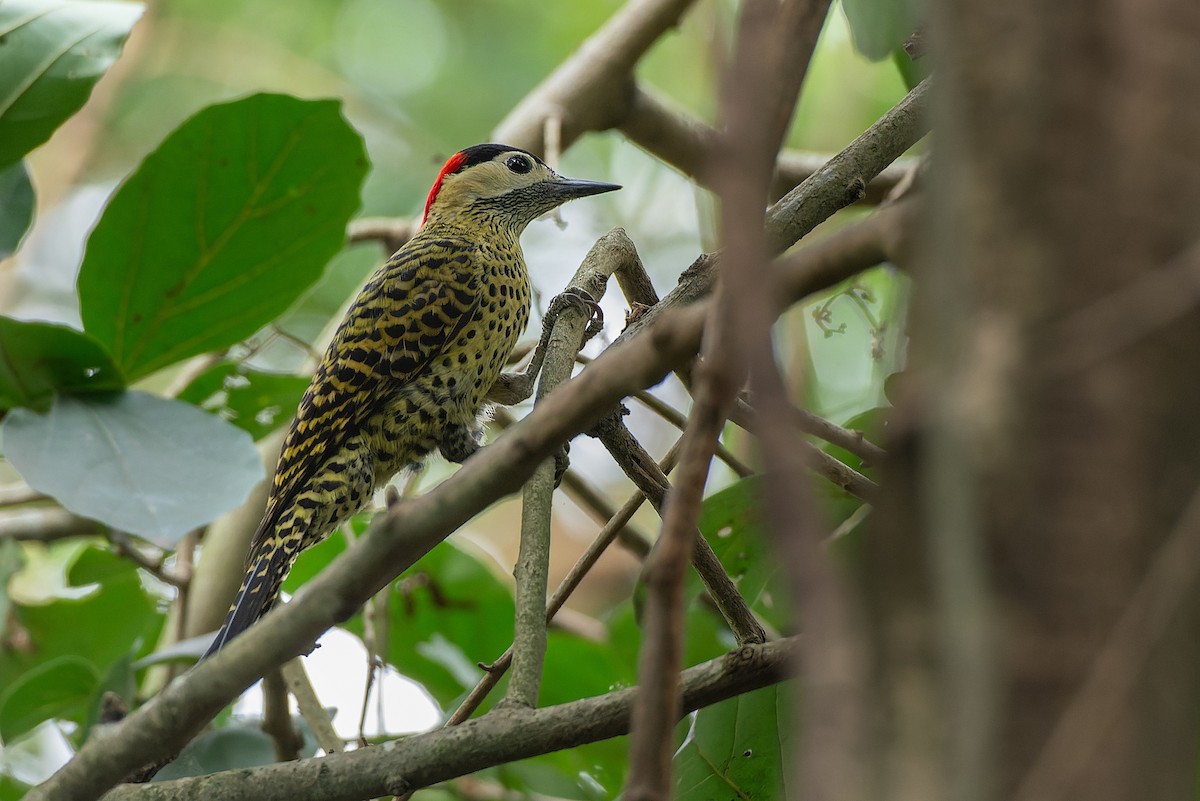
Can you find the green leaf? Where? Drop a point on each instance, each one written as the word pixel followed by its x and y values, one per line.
pixel 577 668
pixel 220 229
pixel 328 297
pixel 108 622
pixel 54 52
pixel 705 637
pixel 731 522
pixel 16 207
pixel 59 688
pixel 445 614
pixel 734 749
pixel 880 26
pixel 254 401
pixel 38 360
pixel 242 744
pixel 592 772
pixel 139 463
pixel 12 790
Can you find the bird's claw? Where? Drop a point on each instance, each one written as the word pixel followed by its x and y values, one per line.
pixel 580 300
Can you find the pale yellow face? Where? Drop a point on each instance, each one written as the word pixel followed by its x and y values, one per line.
pixel 492 179
pixel 505 191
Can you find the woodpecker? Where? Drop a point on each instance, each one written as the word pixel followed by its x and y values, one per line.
pixel 413 362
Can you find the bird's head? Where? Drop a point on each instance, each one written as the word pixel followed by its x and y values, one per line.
pixel 503 184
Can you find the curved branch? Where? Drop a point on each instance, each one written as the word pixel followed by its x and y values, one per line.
pixel 589 90
pixel 501 736
pixel 654 124
pixel 533 558
pixel 834 186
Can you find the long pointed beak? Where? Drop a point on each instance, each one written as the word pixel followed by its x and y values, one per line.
pixel 571 188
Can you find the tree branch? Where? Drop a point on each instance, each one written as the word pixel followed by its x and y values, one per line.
pixel 756 106
pixel 611 530
pixel 653 123
pixel 814 200
pixel 501 736
pixel 589 90
pixel 639 466
pixel 533 558
pixel 45 524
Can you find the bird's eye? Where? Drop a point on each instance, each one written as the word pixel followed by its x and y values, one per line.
pixel 519 164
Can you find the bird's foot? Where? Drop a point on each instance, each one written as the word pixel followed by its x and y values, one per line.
pixel 581 301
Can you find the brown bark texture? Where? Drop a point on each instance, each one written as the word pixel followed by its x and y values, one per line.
pixel 1048 442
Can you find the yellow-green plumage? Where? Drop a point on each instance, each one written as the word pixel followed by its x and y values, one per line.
pixel 412 362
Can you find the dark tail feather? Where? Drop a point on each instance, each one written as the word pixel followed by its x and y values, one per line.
pixel 255 597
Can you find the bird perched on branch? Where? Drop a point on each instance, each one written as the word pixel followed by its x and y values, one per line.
pixel 412 364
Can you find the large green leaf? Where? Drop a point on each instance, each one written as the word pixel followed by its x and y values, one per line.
pixel 16 206
pixel 734 749
pixel 328 297
pixel 54 52
pixel 58 688
pixel 113 620
pixel 38 360
pixel 220 229
pixel 139 463
pixel 254 401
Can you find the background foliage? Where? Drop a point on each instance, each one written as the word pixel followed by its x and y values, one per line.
pixel 189 252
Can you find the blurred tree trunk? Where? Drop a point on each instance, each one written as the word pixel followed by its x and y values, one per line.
pixel 1049 435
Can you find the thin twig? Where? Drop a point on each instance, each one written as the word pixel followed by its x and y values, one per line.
pixel 392 233
pixel 185 555
pixel 835 185
pixel 44 524
pixel 587 496
pixel 847 526
pixel 591 499
pixel 311 709
pixel 834 471
pixel 190 371
pixel 533 559
pixel 834 668
pixel 847 439
pixel 277 718
pixel 124 546
pixel 655 124
pixel 583 565
pixel 646 476
pixel 369 641
pixel 589 88
pixel 20 494
pixel 677 419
